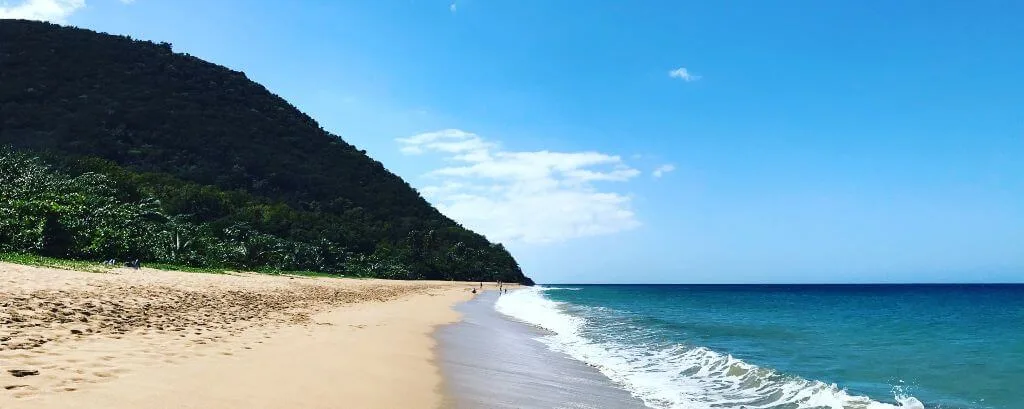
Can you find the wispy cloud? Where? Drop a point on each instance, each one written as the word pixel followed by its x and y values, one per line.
pixel 532 197
pixel 56 11
pixel 662 170
pixel 452 7
pixel 683 74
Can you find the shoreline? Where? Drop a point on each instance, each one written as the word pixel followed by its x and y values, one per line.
pixel 165 339
pixel 490 360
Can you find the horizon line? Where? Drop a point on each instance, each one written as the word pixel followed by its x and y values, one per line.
pixel 798 284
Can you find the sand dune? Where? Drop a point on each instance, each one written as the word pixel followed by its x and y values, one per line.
pixel 162 339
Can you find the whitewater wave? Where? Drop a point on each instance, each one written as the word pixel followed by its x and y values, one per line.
pixel 680 377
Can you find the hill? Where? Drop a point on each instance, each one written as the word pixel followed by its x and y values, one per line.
pixel 210 150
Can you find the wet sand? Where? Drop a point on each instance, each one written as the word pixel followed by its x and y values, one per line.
pixel 491 361
pixel 159 339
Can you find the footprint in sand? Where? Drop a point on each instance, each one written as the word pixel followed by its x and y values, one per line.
pixel 22 391
pixel 19 373
pixel 25 394
pixel 103 374
pixel 78 379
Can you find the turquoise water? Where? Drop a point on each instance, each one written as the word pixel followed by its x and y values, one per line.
pixel 677 346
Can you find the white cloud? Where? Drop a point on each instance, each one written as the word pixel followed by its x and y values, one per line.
pixel 662 170
pixel 463 145
pixel 533 197
pixel 56 11
pixel 683 74
pixel 453 8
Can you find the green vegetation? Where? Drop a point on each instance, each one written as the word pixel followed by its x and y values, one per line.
pixel 123 149
pixel 98 267
pixel 187 269
pixel 49 262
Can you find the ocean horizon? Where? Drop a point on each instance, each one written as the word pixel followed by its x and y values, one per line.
pixel 834 346
pixel 871 284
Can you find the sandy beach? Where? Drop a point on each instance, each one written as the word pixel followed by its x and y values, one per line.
pixel 160 339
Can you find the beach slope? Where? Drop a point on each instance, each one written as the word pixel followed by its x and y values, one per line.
pixel 159 339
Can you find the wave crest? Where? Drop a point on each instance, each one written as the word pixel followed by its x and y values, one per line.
pixel 680 376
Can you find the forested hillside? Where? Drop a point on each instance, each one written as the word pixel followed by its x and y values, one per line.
pixel 204 156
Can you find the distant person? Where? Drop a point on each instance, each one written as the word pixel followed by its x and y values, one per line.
pixel 474 291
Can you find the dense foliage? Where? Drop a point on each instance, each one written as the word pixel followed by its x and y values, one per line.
pixel 163 156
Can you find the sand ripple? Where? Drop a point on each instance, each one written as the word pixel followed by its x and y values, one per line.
pixel 60 330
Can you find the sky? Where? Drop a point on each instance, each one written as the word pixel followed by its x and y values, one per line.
pixel 658 141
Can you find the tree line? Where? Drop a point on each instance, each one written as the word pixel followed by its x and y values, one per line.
pixel 94 209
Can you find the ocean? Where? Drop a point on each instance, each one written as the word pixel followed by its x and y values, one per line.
pixel 790 346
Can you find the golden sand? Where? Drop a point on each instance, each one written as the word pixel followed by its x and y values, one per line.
pixel 159 339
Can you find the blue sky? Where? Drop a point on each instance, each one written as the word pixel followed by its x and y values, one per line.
pixel 870 141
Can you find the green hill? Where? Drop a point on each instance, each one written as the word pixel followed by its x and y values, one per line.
pixel 255 182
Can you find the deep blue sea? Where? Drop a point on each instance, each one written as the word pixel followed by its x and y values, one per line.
pixel 791 346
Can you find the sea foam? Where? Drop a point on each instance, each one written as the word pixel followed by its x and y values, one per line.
pixel 680 376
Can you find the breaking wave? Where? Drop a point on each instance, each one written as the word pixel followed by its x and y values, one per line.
pixel 680 376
